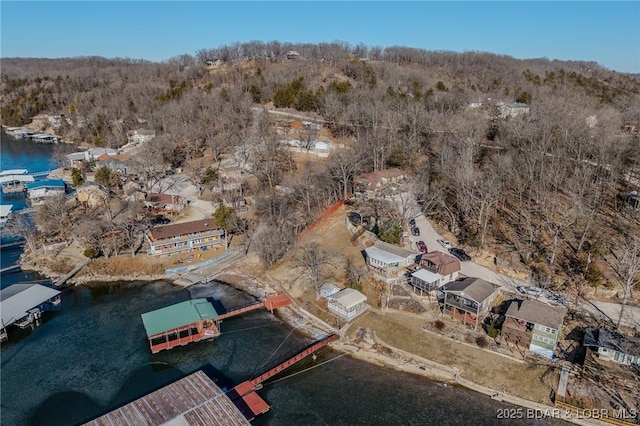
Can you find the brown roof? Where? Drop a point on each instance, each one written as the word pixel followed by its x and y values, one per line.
pixel 164 199
pixel 445 263
pixel 537 313
pixel 185 228
pixel 113 157
pixel 476 289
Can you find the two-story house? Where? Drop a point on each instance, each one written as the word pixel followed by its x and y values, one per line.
pixel 613 346
pixel 441 263
pixel 469 300
pixel 533 325
pixel 388 262
pixel 199 234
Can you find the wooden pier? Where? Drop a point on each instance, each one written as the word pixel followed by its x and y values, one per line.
pixel 197 400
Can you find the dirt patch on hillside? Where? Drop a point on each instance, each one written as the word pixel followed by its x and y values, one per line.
pixel 533 380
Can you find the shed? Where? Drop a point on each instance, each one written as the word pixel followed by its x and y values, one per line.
pixel 328 289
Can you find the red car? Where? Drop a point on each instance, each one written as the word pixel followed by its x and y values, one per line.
pixel 421 246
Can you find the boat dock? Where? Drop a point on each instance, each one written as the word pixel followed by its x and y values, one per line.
pixel 5 213
pixel 197 400
pixel 195 320
pixel 23 304
pixel 15 180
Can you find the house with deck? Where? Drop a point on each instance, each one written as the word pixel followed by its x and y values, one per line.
pixel 164 203
pixel 533 325
pixel 347 303
pixel 388 262
pixel 613 346
pixel 441 263
pixel 426 281
pixel 469 300
pixel 179 237
pixel 38 192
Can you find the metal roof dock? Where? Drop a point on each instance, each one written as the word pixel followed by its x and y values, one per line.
pixel 178 315
pixel 52 183
pixel 18 299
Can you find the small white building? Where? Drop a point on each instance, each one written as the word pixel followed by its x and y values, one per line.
pixel 328 289
pixel 347 303
pixel 425 280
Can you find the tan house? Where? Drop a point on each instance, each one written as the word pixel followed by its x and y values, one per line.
pixel 164 202
pixel 373 184
pixel 441 263
pixel 92 195
pixel 196 235
pixel 388 262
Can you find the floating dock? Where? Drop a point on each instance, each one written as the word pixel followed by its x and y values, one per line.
pixel 195 320
pixel 197 400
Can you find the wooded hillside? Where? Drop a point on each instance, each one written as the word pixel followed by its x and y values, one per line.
pixel 548 189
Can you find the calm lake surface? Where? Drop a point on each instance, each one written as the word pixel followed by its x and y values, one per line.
pixel 92 355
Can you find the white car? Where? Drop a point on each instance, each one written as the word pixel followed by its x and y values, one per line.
pixel 531 291
pixel 444 243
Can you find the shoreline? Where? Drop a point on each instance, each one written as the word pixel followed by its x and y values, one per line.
pixel 371 350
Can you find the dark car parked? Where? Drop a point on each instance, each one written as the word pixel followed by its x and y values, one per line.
pixel 460 254
pixel 412 222
pixel 415 231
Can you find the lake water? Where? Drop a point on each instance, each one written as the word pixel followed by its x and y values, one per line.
pixel 92 356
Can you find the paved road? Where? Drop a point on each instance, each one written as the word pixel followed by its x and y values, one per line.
pixel 429 235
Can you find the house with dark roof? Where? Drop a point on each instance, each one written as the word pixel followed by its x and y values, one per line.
pixel 469 300
pixel 442 264
pixel 388 262
pixel 533 325
pixel 162 203
pixel 613 346
pixel 196 235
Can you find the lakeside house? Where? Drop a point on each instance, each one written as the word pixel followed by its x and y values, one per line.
pixel 347 303
pixel 91 195
pixel 89 155
pixel 186 236
pixel 533 325
pixel 116 163
pixel 469 300
pixel 613 346
pixel 388 262
pixel 441 263
pixel 425 280
pixel 39 192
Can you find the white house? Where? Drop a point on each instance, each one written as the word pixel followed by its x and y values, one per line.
pixel 137 136
pixel 426 280
pixel 328 289
pixel 387 261
pixel 347 303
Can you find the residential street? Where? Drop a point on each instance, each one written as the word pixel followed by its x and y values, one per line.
pixel 429 235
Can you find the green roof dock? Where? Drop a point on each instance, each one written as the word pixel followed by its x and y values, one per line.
pixel 180 324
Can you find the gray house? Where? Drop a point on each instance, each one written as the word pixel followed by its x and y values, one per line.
pixel 469 299
pixel 613 346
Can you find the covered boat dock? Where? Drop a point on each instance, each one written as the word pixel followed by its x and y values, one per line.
pixel 21 304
